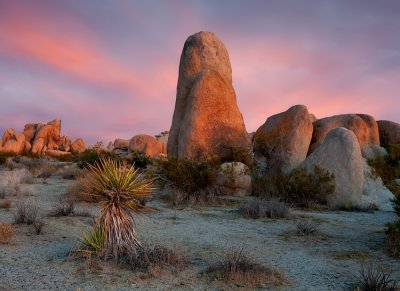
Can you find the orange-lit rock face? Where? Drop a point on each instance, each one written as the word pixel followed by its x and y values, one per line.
pixel 78 146
pixel 12 142
pixel 283 140
pixel 207 122
pixel 48 135
pixel 146 144
pixel 364 127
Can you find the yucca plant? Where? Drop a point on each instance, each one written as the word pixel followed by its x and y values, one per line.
pixel 120 188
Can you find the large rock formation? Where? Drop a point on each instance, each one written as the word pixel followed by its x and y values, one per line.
pixel 40 139
pixel 282 142
pixel 340 154
pixel 47 136
pixel 12 142
pixel 364 127
pixel 389 131
pixel 207 122
pixel 147 145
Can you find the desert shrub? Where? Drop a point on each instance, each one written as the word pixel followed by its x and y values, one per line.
pixel 156 256
pixel 238 267
pixel 71 173
pixel 258 208
pixel 7 231
pixel 75 192
pixel 139 160
pixel 3 158
pixel 5 204
pixel 63 207
pixel 92 157
pixel 119 187
pixel 46 172
pixel 26 213
pixel 387 167
pixel 3 192
pixel 396 200
pixel 374 278
pixel 177 197
pixel 306 227
pixel 93 240
pixel 187 175
pixel 393 233
pixel 38 226
pixel 304 189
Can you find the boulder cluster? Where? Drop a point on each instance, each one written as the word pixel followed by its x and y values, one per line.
pixel 40 139
pixel 207 124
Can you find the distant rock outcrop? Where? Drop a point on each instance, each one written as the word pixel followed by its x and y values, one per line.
pixel 389 131
pixel 121 144
pixel 12 142
pixel 147 145
pixel 364 127
pixel 340 154
pixel 78 146
pixel 282 142
pixel 207 122
pixel 39 139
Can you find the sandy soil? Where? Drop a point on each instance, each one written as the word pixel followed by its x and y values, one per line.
pixel 326 261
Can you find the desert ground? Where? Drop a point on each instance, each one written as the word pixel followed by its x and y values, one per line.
pixel 328 260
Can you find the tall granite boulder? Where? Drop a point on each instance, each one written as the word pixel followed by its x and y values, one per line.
pixel 282 142
pixel 340 154
pixel 47 136
pixel 364 127
pixel 30 130
pixel 147 145
pixel 389 131
pixel 207 122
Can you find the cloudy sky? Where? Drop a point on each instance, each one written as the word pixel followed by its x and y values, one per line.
pixel 109 69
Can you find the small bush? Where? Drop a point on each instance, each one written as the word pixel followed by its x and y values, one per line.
pixel 238 267
pixel 373 278
pixel 139 160
pixel 63 207
pixel 38 226
pixel 306 228
pixel 396 203
pixel 187 175
pixel 76 193
pixel 370 208
pixel 304 189
pixel 7 231
pixel 92 157
pixel 46 172
pixel 393 233
pixel 387 167
pixel 3 192
pixel 159 257
pixel 259 208
pixel 26 213
pixel 5 204
pixel 177 197
pixel 3 158
pixel 71 173
pixel 92 241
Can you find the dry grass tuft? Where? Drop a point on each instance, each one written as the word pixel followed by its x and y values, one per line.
pixel 72 173
pixel 239 268
pixel 38 226
pixel 259 208
pixel 306 227
pixel 375 278
pixel 26 213
pixel 64 207
pixel 7 231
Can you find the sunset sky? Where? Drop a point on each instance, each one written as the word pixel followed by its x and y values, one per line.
pixel 108 69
